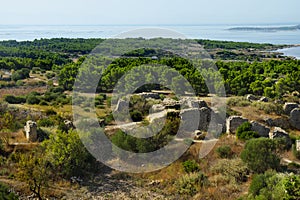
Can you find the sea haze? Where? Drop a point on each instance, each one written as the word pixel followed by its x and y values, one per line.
pixel 213 32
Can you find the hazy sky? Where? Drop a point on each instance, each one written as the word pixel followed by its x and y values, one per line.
pixel 149 12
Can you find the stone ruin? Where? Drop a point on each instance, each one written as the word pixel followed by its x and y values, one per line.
pixel 288 107
pixel 297 145
pixel 31 131
pixel 233 122
pixel 295 118
pixel 262 130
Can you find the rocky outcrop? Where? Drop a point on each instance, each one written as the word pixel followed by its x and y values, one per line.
pixel 278 133
pixel 262 130
pixel 263 99
pixel 251 97
pixel 288 107
pixel 69 124
pixel 205 117
pixel 31 131
pixel 157 108
pixel 147 95
pixel 233 122
pixel 295 118
pixel 121 105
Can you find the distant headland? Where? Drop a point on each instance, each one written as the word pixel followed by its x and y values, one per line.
pixel 267 29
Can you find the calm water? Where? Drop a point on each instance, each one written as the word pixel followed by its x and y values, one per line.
pixel 294 51
pixel 214 32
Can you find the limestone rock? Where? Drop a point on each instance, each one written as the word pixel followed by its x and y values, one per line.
pixel 251 97
pixel 233 122
pixel 263 99
pixel 262 130
pixel 288 107
pixel 295 118
pixel 278 133
pixel 121 105
pixel 147 95
pixel 31 131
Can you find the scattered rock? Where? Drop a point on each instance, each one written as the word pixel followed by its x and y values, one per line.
pixel 31 131
pixel 147 95
pixel 199 135
pixel 297 145
pixel 69 124
pixel 157 108
pixel 269 122
pixel 262 130
pixel 121 105
pixel 251 97
pixel 278 133
pixel 263 99
pixel 295 118
pixel 288 107
pixel 233 122
pixel 205 117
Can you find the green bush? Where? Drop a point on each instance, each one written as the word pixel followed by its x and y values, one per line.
pixel 261 154
pixel 136 116
pixel 269 107
pixel 244 132
pixel 190 184
pixel 45 122
pixel 224 151
pixel 190 166
pixel 5 193
pixel 15 99
pixel 32 99
pixel 238 101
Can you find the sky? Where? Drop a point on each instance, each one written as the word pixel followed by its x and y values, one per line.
pixel 68 12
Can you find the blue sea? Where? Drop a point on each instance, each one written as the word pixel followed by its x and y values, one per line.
pixel 213 32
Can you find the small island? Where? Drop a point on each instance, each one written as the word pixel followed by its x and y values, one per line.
pixel 267 29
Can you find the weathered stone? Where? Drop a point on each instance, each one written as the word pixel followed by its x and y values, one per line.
pixel 295 118
pixel 269 122
pixel 233 122
pixel 288 107
pixel 147 95
pixel 171 103
pixel 251 97
pixel 263 99
pixel 262 130
pixel 297 145
pixel 205 117
pixel 278 133
pixel 121 105
pixel 69 124
pixel 31 131
pixel 199 135
pixel 190 119
pixel 157 108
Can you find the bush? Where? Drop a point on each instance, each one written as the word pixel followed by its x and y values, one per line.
pixel 45 122
pixel 238 101
pixel 5 193
pixel 244 132
pixel 190 184
pixel 261 154
pixel 15 99
pixel 224 151
pixel 136 116
pixel 50 112
pixel 269 107
pixel 190 166
pixel 32 99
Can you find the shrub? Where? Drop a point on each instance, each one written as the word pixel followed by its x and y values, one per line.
pixel 14 99
pixel 244 132
pixel 5 193
pixel 50 112
pixel 269 107
pixel 32 99
pixel 234 170
pixel 190 166
pixel 45 122
pixel 224 151
pixel 238 101
pixel 190 184
pixel 136 116
pixel 261 154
